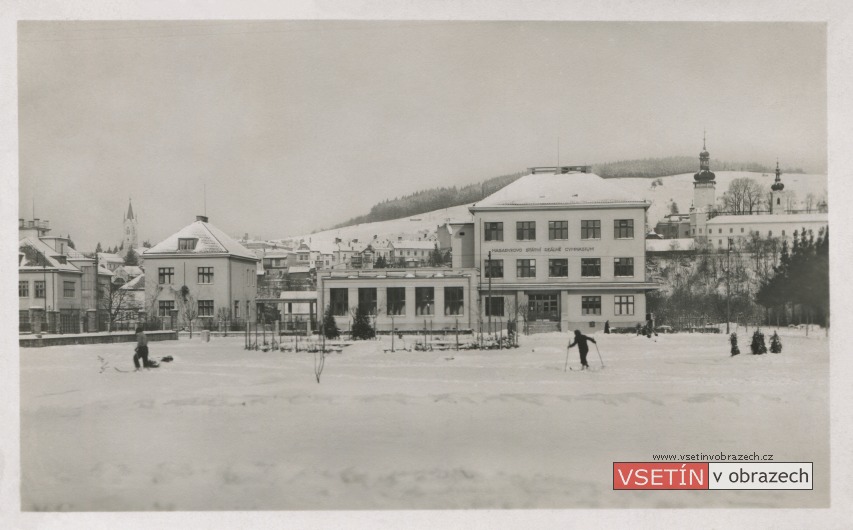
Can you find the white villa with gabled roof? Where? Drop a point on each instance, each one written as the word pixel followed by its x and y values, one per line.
pixel 220 275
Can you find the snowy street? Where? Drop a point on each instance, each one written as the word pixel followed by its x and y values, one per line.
pixel 222 428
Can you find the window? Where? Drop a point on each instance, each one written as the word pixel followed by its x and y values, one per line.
pixel 694 231
pixel 166 274
pixel 236 308
pixel 68 289
pixel 453 300
pixel 367 299
pixel 339 300
pixel 396 297
pixel 731 230
pixel 493 231
pixel 205 308
pixel 624 305
pixel 39 288
pixel 494 306
pixel 166 307
pixel 590 305
pixel 187 243
pixel 558 230
pixel 720 231
pixel 558 268
pixel 495 268
pixel 424 300
pixel 590 267
pixel 623 267
pixel 623 228
pixel 525 230
pixel 700 231
pixel 525 268
pixel 590 229
pixel 741 230
pixel 205 275
pixel 24 289
pixel 770 233
pixel 783 233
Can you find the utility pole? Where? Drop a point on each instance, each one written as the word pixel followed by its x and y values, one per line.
pixel 728 273
pixel 489 304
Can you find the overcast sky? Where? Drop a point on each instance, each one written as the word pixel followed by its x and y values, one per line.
pixel 294 126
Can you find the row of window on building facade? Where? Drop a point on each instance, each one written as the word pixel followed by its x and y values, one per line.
pixel 559 268
pixel 558 230
pixel 204 308
pixel 453 302
pixel 69 289
pixel 166 276
pixel 731 231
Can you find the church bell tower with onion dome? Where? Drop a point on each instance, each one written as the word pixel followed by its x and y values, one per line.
pixel 778 196
pixel 704 185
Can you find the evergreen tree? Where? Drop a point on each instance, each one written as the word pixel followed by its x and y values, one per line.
pixel 146 244
pixel 131 258
pixel 330 327
pixel 775 343
pixel 71 243
pixel 758 345
pixel 733 340
pixel 361 327
pixel 380 263
pixel 98 247
pixel 436 259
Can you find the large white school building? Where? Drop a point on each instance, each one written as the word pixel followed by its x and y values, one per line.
pixel 558 249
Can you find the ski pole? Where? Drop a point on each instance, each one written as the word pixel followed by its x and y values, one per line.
pixel 565 368
pixel 599 354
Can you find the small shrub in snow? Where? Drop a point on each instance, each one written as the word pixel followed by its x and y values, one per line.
pixel 330 327
pixel 733 340
pixel 758 345
pixel 361 327
pixel 775 343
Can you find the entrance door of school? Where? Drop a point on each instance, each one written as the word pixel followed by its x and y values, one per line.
pixel 543 307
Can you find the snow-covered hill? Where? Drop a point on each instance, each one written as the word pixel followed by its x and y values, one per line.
pixel 675 188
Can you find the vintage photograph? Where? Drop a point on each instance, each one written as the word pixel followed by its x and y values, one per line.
pixel 292 265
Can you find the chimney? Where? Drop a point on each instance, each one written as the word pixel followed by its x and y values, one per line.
pixel 202 218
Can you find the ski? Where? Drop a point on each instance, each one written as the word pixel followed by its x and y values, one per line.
pixel 572 368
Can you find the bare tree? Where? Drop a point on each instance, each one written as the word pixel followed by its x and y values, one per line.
pixel 809 202
pixel 744 196
pixel 187 306
pixel 119 304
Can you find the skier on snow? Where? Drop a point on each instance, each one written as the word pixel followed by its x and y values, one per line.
pixel 581 339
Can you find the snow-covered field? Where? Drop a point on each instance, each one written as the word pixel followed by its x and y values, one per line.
pixel 225 428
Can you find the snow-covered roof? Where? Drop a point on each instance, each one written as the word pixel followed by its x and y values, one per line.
pixel 298 269
pixel 668 245
pixel 780 218
pixel 136 284
pixel 110 257
pixel 324 247
pixel 546 189
pixel 35 254
pixel 298 295
pixel 418 245
pixel 211 240
pixel 132 270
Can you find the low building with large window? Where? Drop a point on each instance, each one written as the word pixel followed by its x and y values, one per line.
pixel 563 250
pixel 201 272
pixel 411 299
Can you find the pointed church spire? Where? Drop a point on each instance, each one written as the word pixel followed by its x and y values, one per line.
pixel 129 209
pixel 777 184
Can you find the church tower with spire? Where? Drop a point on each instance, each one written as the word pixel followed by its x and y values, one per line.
pixel 704 185
pixel 778 196
pixel 129 237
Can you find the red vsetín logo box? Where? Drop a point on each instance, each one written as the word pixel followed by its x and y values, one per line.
pixel 660 476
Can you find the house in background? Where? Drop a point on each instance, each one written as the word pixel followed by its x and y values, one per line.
pixel 199 273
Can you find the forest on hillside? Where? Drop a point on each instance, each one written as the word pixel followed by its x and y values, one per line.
pixel 674 165
pixel 438 198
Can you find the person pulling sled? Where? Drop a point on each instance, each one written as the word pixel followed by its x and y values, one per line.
pixel 581 341
pixel 142 350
